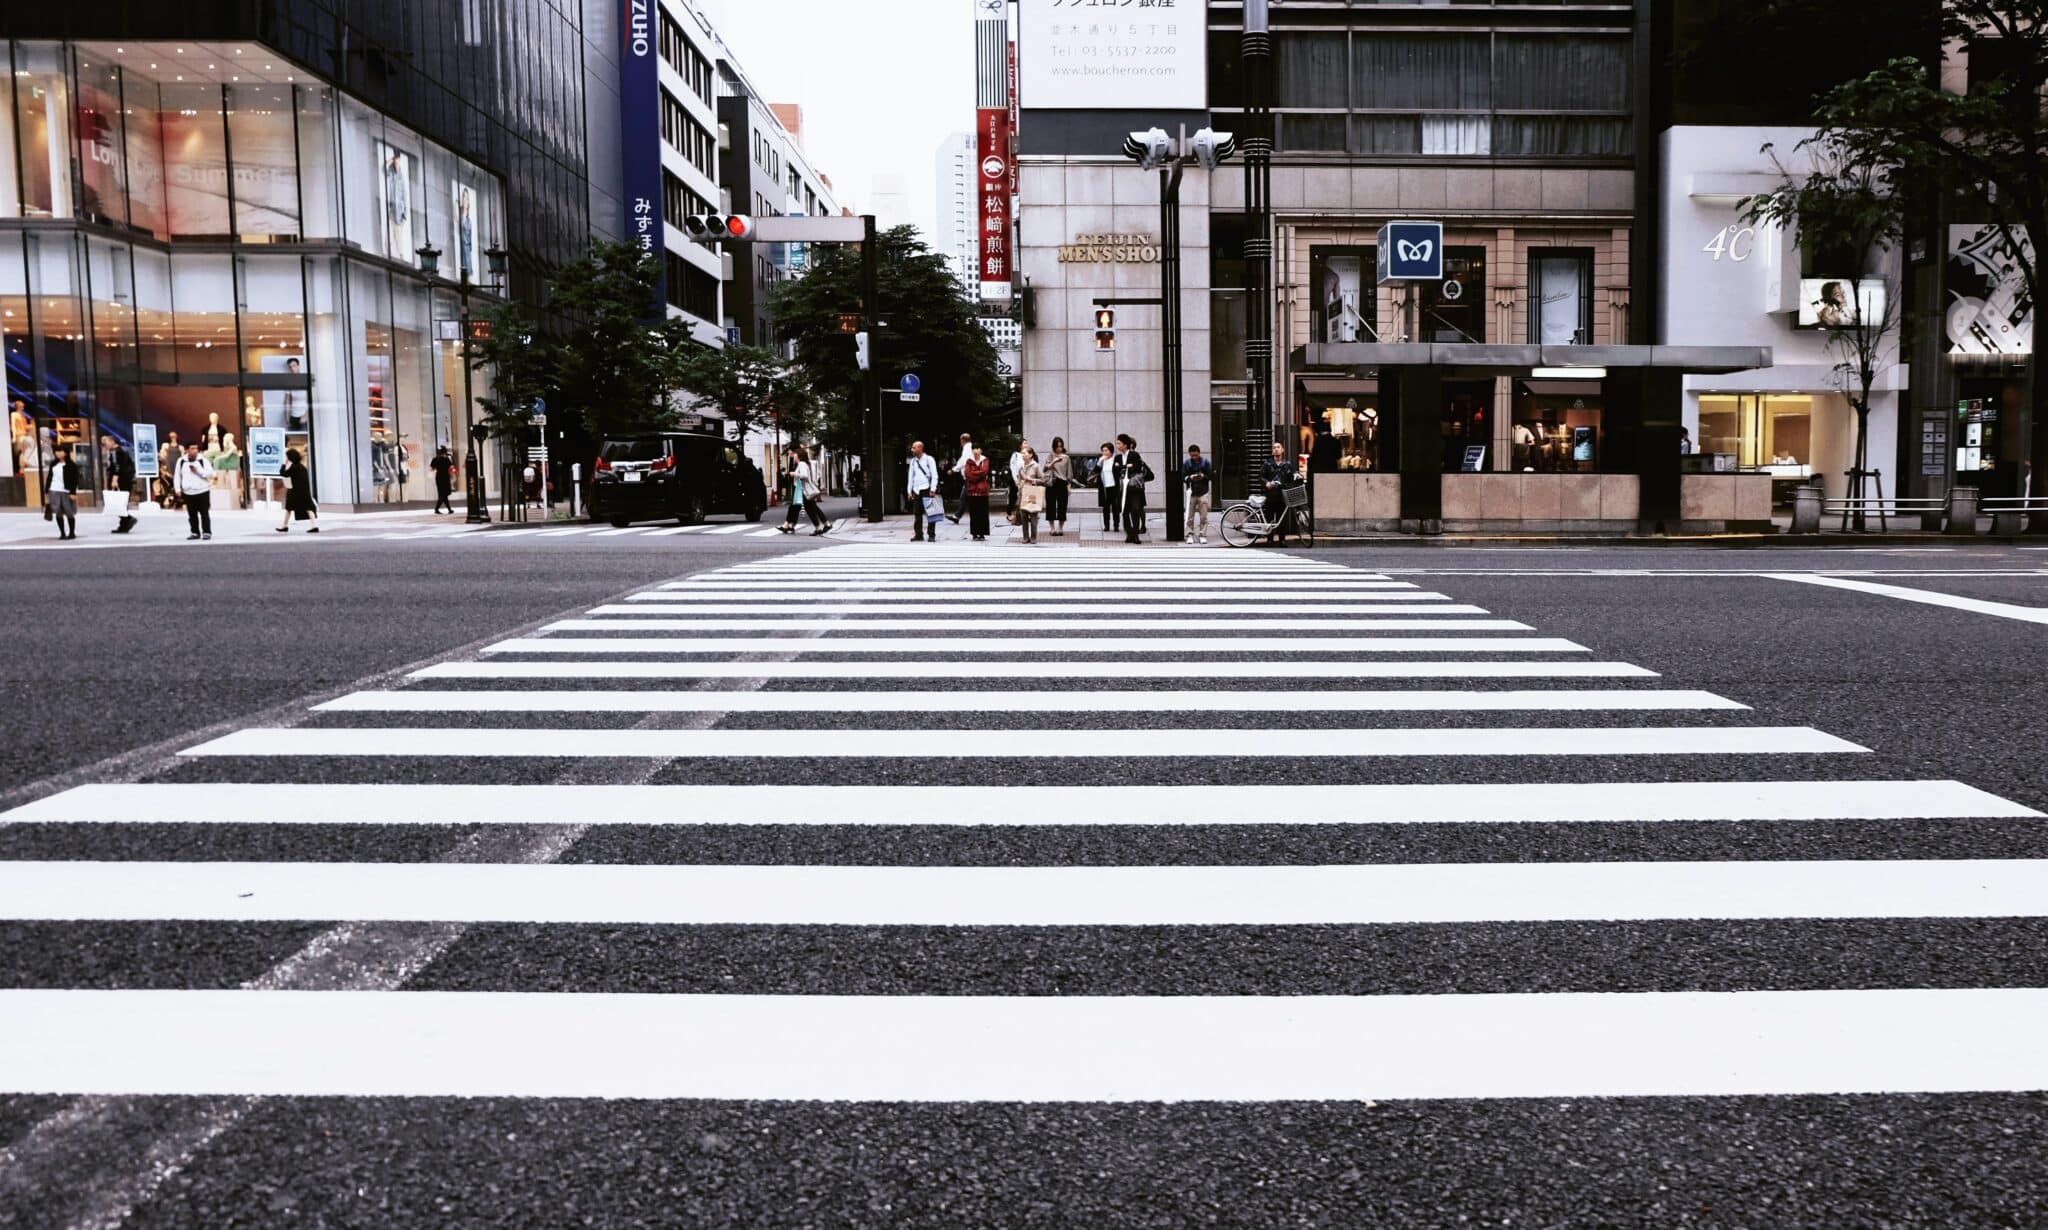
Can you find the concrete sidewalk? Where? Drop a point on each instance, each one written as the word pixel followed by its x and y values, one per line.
pixel 243 523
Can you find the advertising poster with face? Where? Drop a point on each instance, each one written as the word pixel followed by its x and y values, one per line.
pixel 463 241
pixel 1339 280
pixel 284 408
pixel 394 201
pixel 1989 311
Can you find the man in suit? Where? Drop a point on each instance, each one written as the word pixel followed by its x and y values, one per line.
pixel 1131 476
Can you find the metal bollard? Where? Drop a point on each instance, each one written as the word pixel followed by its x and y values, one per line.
pixel 575 491
pixel 1962 510
pixel 1806 504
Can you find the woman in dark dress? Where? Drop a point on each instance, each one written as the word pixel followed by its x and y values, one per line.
pixel 298 496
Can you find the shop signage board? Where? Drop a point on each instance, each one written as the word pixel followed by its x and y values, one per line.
pixel 145 450
pixel 266 452
pixel 1104 55
pixel 1475 459
pixel 640 134
pixel 1990 311
pixel 1411 252
pixel 992 150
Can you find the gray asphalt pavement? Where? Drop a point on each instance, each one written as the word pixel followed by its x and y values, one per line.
pixel 1919 1103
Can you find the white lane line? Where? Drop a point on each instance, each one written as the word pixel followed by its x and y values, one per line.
pixel 940 606
pixel 571 531
pixel 1976 606
pixel 1051 1048
pixel 492 534
pixel 1178 742
pixel 624 530
pixel 924 648
pixel 555 894
pixel 1035 806
pixel 740 528
pixel 718 582
pixel 765 534
pixel 987 672
pixel 1016 701
pixel 779 623
pixel 679 529
pixel 1268 601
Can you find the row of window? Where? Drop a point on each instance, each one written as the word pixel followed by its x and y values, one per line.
pixel 1345 305
pixel 690 288
pixel 688 62
pixel 766 155
pixel 680 129
pixel 679 200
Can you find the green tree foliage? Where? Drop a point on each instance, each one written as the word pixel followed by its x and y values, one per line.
pixel 923 324
pixel 1850 209
pixel 748 386
pixel 612 369
pixel 1987 147
pixel 521 366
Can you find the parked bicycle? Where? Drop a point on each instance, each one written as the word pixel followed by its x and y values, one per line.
pixel 1245 522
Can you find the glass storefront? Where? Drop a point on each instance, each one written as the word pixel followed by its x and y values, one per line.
pixel 1556 427
pixel 242 257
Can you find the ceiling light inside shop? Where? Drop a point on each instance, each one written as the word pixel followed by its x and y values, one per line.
pixel 1568 373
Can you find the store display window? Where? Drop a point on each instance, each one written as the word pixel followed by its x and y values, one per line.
pixel 1454 310
pixel 1342 433
pixel 1556 427
pixel 1467 426
pixel 1560 298
pixel 1774 434
pixel 1345 307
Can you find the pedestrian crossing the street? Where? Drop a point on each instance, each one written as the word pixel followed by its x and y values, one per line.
pixel 1194 748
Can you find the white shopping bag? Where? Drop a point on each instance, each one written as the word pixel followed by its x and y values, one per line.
pixel 117 503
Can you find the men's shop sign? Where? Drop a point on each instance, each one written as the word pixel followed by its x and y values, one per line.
pixel 1110 250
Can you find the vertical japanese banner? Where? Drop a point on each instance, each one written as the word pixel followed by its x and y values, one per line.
pixel 1013 117
pixel 992 150
pixel 640 139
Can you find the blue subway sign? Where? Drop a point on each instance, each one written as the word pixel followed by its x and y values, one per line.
pixel 1411 252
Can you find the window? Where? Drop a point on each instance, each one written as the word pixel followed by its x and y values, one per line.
pixel 1454 310
pixel 690 288
pixel 1345 307
pixel 1560 297
pixel 680 130
pixel 679 200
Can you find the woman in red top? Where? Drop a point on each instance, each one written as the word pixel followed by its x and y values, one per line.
pixel 975 471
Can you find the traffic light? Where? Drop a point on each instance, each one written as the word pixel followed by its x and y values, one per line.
pixel 860 350
pixel 717 228
pixel 1105 328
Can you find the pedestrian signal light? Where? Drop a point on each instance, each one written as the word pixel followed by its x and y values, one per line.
pixel 1105 329
pixel 860 350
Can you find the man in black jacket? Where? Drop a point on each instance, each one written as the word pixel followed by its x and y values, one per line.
pixel 1131 476
pixel 120 471
pixel 1280 474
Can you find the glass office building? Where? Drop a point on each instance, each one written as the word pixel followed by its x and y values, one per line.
pixel 205 238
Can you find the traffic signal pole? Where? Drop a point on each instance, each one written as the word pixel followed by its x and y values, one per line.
pixel 874 463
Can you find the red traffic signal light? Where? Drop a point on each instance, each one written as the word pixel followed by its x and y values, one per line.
pixel 739 226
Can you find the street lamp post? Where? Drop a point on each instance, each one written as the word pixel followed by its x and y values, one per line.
pixel 473 483
pixel 1153 149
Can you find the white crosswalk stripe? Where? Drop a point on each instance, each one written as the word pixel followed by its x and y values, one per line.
pixel 1143 699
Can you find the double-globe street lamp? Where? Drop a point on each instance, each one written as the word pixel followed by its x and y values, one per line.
pixel 1153 149
pixel 494 264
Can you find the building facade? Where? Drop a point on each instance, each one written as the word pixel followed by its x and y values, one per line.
pixel 954 205
pixel 693 275
pixel 766 174
pixel 212 222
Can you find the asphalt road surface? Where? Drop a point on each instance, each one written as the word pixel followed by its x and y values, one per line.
pixel 711 881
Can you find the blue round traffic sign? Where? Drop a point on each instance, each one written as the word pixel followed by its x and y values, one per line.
pixel 909 384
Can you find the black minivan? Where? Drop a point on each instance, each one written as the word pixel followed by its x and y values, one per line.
pixel 685 475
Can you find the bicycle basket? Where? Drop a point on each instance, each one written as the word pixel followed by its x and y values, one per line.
pixel 1297 497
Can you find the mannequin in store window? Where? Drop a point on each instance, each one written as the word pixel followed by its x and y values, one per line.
pixel 211 442
pixel 227 470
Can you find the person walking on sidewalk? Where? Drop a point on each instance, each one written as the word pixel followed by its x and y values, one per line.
pixel 443 466
pixel 120 482
pixel 960 468
pixel 1195 475
pixel 298 493
pixel 195 486
pixel 976 472
pixel 60 492
pixel 803 492
pixel 1105 490
pixel 1030 493
pixel 1059 481
pixel 1131 476
pixel 921 480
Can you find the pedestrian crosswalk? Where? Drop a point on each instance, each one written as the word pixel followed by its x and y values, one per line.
pixel 1193 743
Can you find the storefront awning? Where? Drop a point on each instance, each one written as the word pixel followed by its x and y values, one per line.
pixel 1520 360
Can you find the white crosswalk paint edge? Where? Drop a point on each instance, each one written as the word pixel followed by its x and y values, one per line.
pixel 1257 611
pixel 777 622
pixel 1019 701
pixel 986 672
pixel 1435 803
pixel 923 647
pixel 1954 602
pixel 1022 1048
pixel 1065 896
pixel 1364 743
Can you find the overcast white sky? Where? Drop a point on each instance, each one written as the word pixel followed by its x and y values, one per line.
pixel 881 82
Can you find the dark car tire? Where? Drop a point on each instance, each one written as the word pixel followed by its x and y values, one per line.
pixel 755 510
pixel 694 510
pixel 620 522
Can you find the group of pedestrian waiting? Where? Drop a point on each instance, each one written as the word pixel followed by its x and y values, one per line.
pixel 191 479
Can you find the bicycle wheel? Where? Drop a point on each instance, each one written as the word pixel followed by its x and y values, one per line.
pixel 1239 528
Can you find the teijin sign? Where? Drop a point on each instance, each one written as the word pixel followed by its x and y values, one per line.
pixel 1110 249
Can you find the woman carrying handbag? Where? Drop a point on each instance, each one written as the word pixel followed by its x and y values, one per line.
pixel 1059 480
pixel 1030 493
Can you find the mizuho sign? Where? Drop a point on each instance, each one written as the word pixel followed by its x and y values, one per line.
pixel 1411 252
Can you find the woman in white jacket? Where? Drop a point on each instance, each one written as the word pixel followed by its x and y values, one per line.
pixel 803 493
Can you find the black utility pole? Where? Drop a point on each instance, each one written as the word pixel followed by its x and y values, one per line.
pixel 1170 349
pixel 1257 50
pixel 872 460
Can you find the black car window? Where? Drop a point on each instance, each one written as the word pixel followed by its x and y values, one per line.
pixel 651 449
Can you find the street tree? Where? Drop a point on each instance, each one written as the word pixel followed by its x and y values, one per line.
pixel 1848 208
pixel 1988 146
pixel 520 363
pixel 922 324
pixel 608 369
pixel 752 388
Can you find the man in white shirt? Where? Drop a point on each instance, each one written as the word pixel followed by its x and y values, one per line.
pixel 195 484
pixel 960 467
pixel 921 481
pixel 1017 475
